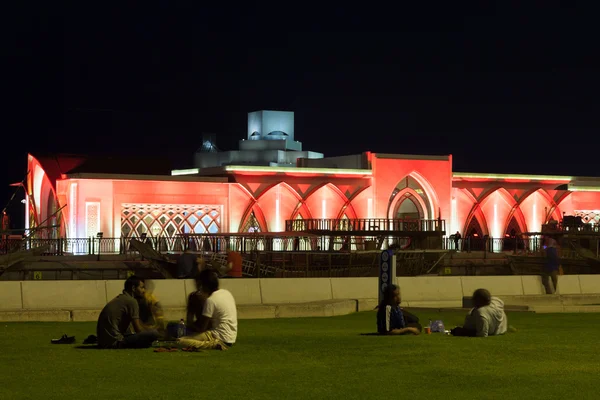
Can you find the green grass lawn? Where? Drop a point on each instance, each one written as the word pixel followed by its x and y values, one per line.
pixel 552 356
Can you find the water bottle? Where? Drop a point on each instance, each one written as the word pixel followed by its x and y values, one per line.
pixel 181 329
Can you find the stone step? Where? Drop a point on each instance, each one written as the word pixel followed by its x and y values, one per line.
pixel 565 309
pixel 327 308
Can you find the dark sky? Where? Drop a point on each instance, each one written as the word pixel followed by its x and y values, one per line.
pixel 502 88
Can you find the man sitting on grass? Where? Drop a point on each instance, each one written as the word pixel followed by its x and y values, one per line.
pixel 118 314
pixel 216 324
pixel 391 319
pixel 487 318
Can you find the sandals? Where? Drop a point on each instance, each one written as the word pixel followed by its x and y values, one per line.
pixel 92 339
pixel 165 350
pixel 64 340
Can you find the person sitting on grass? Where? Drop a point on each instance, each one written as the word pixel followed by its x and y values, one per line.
pixel 216 324
pixel 151 311
pixel 118 314
pixel 487 318
pixel 391 319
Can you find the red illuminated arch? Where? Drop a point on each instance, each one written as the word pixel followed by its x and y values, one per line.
pixel 475 213
pixel 347 207
pixel 302 210
pixel 429 191
pixel 555 207
pixel 258 213
pixel 429 206
pixel 553 204
pixel 407 194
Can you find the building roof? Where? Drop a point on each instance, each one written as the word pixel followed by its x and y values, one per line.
pixel 63 164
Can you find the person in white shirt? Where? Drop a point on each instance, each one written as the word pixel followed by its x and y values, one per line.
pixel 487 318
pixel 216 327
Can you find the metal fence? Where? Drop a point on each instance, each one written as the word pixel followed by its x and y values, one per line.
pixel 208 244
pixel 365 224
pixel 250 244
pixel 495 245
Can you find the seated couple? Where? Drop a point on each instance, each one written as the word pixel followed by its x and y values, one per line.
pixel 211 315
pixel 486 318
pixel 214 310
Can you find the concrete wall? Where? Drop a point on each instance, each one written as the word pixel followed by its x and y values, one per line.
pixel 416 291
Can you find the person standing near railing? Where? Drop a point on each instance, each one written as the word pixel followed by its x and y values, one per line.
pixel 457 238
pixel 551 266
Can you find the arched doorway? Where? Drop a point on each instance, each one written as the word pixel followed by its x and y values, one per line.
pixel 512 237
pixel 409 200
pixel 409 208
pixel 474 236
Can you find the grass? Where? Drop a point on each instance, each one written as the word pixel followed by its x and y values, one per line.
pixel 552 356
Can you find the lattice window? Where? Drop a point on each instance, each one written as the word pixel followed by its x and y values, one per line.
pixel 92 219
pixel 252 224
pixel 168 220
pixel 588 216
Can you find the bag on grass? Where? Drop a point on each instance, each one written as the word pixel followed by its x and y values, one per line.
pixel 437 326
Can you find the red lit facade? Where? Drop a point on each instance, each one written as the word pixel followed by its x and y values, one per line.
pixel 243 199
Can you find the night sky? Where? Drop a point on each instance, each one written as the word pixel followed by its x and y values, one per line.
pixel 503 89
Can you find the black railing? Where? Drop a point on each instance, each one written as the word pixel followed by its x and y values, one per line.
pixel 515 245
pixel 256 243
pixel 575 227
pixel 366 224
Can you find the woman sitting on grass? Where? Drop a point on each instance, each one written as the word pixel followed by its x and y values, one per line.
pixel 391 319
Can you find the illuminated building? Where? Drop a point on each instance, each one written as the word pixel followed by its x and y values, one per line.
pixel 258 189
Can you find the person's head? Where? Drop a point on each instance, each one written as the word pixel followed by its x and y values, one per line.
pixel 136 286
pixel 149 285
pixel 481 298
pixel 207 281
pixel 391 295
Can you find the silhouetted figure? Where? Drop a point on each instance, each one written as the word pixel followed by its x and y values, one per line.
pixel 457 238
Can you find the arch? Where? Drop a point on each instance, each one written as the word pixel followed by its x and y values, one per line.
pixel 488 193
pixel 282 183
pixel 477 214
pixel 415 182
pixel 412 203
pixel 407 194
pixel 276 216
pixel 346 207
pixel 475 226
pixel 43 200
pixel 476 210
pixel 551 207
pixel 516 214
pixel 301 210
pixel 430 191
pixel 557 203
pixel 513 225
pixel 349 203
pixel 258 214
pixel 252 224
